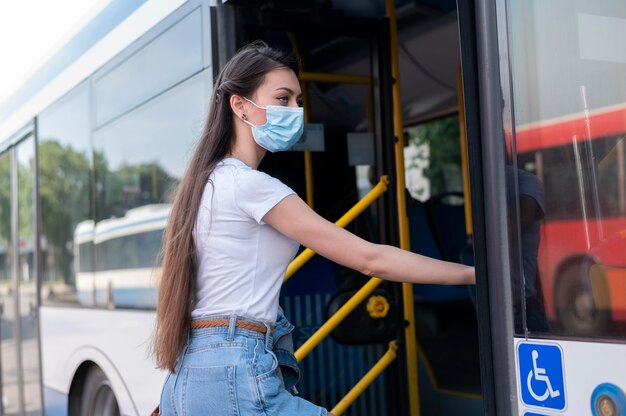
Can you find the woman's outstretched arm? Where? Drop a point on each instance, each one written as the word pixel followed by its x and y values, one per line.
pixel 293 217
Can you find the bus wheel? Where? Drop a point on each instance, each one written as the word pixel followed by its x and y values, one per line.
pixel 97 395
pixel 575 305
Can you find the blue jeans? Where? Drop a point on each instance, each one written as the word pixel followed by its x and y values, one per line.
pixel 228 371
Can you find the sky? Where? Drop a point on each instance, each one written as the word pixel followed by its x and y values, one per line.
pixel 31 31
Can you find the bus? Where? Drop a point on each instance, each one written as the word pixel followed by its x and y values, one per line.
pixel 489 132
pixel 124 252
pixel 581 265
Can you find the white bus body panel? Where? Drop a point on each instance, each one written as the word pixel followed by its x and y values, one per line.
pixel 117 341
pixel 586 367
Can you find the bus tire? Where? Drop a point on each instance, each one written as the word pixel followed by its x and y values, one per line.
pixel 97 398
pixel 576 309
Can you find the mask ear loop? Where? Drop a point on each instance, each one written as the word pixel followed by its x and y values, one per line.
pixel 243 116
pixel 244 119
pixel 254 104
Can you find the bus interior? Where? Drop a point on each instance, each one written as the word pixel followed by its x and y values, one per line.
pixel 342 51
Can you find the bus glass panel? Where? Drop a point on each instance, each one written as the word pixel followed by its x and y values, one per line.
pixel 136 79
pixel 569 82
pixel 139 160
pixel 64 192
pixel 27 276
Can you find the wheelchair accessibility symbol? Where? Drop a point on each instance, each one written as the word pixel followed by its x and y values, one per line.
pixel 541 375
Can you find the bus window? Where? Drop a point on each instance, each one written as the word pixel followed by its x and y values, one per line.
pixel 27 276
pixel 131 173
pixel 179 48
pixel 8 347
pixel 126 251
pixel 139 159
pixel 433 158
pixel 86 257
pixel 437 229
pixel 5 220
pixel 65 176
pixel 570 107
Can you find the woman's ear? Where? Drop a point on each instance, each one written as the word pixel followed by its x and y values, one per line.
pixel 238 106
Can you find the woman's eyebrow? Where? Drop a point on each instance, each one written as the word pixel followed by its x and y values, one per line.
pixel 289 90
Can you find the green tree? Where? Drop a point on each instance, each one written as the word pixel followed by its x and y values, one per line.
pixel 25 187
pixel 65 194
pixel 5 214
pixel 444 160
pixel 130 186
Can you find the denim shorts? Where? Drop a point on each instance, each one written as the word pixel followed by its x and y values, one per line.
pixel 230 371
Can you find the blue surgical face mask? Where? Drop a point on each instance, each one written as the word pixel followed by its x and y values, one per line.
pixel 282 130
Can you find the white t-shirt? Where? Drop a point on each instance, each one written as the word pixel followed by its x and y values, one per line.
pixel 242 260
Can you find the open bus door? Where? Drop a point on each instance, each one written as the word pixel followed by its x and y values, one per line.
pixel 334 49
pixel 347 161
pixel 545 99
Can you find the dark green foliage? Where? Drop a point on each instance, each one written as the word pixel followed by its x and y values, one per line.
pixel 442 137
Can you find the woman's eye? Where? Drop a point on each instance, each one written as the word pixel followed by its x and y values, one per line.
pixel 283 99
pixel 300 103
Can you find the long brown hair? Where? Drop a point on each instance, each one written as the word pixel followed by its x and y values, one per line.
pixel 241 76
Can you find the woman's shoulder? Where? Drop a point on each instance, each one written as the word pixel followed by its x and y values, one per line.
pixel 242 179
pixel 232 168
pixel 243 172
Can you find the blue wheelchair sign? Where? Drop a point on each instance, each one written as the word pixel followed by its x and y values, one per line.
pixel 541 375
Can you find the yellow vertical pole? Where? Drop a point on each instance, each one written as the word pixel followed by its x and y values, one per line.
pixel 407 288
pixel 464 161
pixel 308 160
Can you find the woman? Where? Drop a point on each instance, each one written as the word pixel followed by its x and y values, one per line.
pixel 231 234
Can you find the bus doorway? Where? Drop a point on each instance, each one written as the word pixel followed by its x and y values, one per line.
pixel 20 374
pixel 347 154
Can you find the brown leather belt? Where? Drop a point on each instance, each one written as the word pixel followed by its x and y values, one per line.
pixel 243 324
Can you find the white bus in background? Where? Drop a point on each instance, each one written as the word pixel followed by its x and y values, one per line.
pixel 84 263
pixel 116 261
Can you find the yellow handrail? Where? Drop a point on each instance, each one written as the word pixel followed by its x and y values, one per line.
pixel 371 375
pixel 337 318
pixel 307 254
pixel 407 288
pixel 334 78
pixel 352 213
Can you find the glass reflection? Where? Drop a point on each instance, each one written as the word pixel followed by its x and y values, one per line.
pixel 531 214
pixel 8 352
pixel 64 187
pixel 138 161
pixel 27 276
pixel 179 49
pixel 569 84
